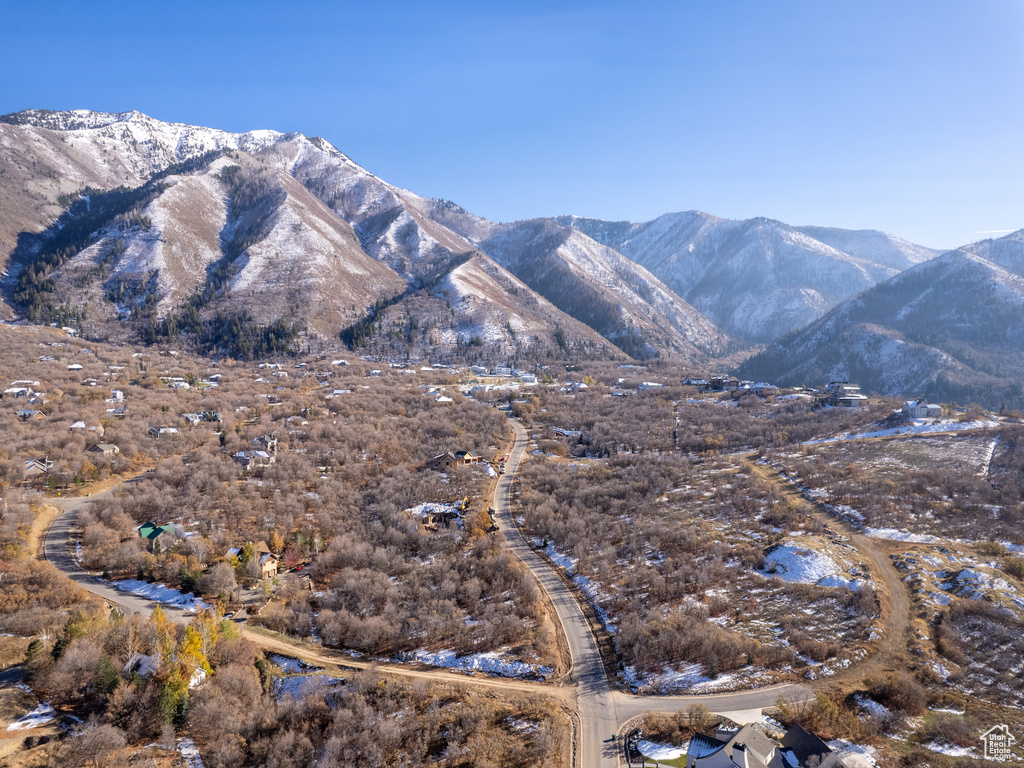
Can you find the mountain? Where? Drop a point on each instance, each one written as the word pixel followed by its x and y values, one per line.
pixel 872 246
pixel 757 278
pixel 126 225
pixel 591 282
pixel 951 328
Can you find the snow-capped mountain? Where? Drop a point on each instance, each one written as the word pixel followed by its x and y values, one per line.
pixel 757 278
pixel 168 222
pixel 948 328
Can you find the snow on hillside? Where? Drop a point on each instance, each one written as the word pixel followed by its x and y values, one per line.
pixel 796 562
pixel 755 278
pixel 161 143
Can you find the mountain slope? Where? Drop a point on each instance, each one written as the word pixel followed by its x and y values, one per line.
pixel 757 278
pixel 167 227
pixel 949 328
pixel 872 246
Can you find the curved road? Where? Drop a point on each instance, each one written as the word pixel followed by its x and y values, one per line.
pixel 57 546
pixel 601 708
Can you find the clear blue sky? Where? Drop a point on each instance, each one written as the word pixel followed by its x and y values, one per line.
pixel 903 116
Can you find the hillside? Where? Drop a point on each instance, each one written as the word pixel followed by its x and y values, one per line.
pixel 757 278
pixel 128 227
pixel 950 329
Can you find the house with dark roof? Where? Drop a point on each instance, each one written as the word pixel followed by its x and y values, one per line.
pixel 800 747
pixel 447 461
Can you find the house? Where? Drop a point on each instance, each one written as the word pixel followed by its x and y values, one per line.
pixel 120 412
pixel 502 371
pixel 17 392
pixel 478 370
pixel 527 378
pixel 35 468
pixel 448 460
pixel 803 747
pixel 269 562
pixel 192 419
pixel 90 382
pixel 152 532
pixel 80 428
pixel 25 415
pixel 75 367
pixel 749 747
pixel 163 431
pixel 374 372
pixel 116 396
pixel 921 409
pixel 268 565
pixel 724 383
pixel 251 460
pixel 107 449
pixel 443 400
pixel 843 394
pixel 339 362
pixel 266 443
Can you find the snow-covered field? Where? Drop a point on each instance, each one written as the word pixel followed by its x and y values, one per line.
pixel 161 593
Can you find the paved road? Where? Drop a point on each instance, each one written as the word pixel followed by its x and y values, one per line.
pixel 58 548
pixel 602 709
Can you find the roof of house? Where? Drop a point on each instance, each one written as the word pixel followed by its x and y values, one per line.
pixel 803 744
pixel 702 746
pixel 754 741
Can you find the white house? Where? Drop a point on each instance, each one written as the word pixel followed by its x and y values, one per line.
pixel 921 409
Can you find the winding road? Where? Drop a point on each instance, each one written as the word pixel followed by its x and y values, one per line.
pixel 601 709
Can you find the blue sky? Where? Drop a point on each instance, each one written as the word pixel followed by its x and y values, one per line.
pixel 903 116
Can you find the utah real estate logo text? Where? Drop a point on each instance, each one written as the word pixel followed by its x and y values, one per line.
pixel 998 740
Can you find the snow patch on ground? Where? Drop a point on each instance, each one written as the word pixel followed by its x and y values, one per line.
pixel 868 755
pixel 292 666
pixel 919 427
pixel 190 753
pixel 949 749
pixel 301 686
pixel 655 751
pixel 490 663
pixel 41 715
pixel 792 562
pixel 161 593
pixel 895 535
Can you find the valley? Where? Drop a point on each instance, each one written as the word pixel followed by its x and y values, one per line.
pixel 300 467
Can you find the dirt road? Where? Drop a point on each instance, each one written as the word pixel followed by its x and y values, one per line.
pixel 893 594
